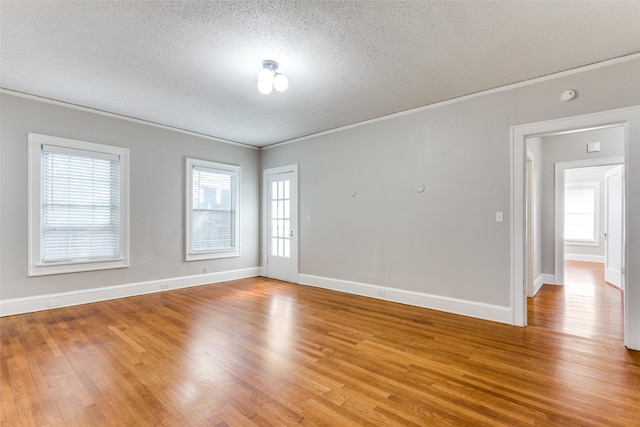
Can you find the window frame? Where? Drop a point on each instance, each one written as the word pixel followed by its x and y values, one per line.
pixel 595 186
pixel 36 267
pixel 216 167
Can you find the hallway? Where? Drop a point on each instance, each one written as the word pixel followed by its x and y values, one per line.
pixel 585 306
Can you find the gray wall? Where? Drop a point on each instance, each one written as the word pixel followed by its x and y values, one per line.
pixel 444 241
pixel 157 196
pixel 565 148
pixel 391 235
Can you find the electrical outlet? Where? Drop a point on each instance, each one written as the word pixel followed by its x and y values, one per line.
pixel 164 286
pixel 381 293
pixel 205 270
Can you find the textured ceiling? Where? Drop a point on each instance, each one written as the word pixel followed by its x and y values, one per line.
pixel 193 64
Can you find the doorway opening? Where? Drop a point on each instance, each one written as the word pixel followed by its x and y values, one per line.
pixel 569 183
pixel 581 211
pixel 626 119
pixel 592 246
pixel 565 201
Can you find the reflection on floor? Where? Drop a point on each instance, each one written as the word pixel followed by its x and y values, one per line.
pixel 585 306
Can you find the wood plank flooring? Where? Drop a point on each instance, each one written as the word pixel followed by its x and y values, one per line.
pixel 259 352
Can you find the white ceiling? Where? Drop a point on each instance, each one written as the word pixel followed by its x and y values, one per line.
pixel 193 64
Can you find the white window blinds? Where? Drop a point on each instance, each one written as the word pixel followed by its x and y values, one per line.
pixel 213 210
pixel 80 205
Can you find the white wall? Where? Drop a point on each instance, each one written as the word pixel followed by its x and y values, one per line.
pixel 565 148
pixel 157 194
pixel 589 253
pixel 445 241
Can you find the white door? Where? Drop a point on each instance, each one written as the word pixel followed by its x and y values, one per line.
pixel 613 227
pixel 281 225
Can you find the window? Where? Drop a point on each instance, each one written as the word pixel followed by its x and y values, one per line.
pixel 581 203
pixel 212 210
pixel 280 217
pixel 78 206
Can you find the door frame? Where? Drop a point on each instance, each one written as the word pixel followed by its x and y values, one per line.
pixel 558 218
pixel 529 216
pixel 265 210
pixel 628 117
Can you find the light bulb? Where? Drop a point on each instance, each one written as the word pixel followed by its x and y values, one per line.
pixel 265 87
pixel 265 75
pixel 280 82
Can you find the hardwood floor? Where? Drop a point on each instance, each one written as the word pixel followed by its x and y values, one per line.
pixel 264 352
pixel 585 306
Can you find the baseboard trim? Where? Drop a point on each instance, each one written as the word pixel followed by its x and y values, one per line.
pixel 537 284
pixel 67 299
pixel 478 310
pixel 548 279
pixel 584 258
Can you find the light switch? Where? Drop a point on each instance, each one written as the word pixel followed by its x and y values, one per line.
pixel 499 216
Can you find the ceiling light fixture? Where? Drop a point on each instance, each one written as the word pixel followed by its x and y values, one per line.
pixel 269 78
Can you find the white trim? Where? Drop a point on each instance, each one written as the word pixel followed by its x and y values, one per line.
pixel 573 71
pixel 13 306
pixel 584 258
pixel 462 98
pixel 123 117
pixel 548 279
pixel 537 284
pixel 543 279
pixel 558 235
pixel 35 145
pixel 629 116
pixel 517 230
pixel 221 168
pixel 474 309
pixel 530 232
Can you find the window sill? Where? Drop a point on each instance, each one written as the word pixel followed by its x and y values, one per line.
pixel 212 255
pixel 51 269
pixel 581 243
